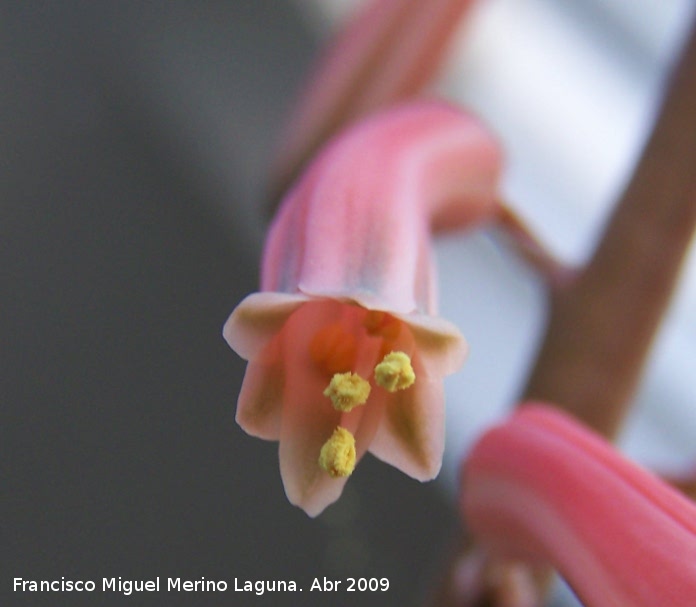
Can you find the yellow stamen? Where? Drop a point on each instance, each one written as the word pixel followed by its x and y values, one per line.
pixel 337 456
pixel 395 372
pixel 347 390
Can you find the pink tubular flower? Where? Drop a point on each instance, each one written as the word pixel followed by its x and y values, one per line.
pixel 345 352
pixel 388 52
pixel 542 487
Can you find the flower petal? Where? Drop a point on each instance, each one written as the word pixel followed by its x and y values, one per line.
pixel 260 402
pixel 543 487
pixel 387 52
pixel 303 433
pixel 257 319
pixel 411 435
pixel 441 347
pixel 356 226
pixel 308 418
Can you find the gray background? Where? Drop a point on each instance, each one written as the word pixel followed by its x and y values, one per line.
pixel 128 132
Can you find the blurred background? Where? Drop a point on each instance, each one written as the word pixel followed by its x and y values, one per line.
pixel 135 139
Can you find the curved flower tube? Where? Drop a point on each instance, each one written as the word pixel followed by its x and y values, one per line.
pixel 388 52
pixel 542 487
pixel 345 351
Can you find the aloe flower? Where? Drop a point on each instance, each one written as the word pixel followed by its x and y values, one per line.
pixel 346 353
pixel 542 487
pixel 386 53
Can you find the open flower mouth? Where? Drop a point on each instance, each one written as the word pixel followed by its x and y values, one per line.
pixel 346 350
pixel 349 364
pixel 337 380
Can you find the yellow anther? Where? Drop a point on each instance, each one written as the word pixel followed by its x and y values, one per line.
pixel 395 372
pixel 337 456
pixel 347 390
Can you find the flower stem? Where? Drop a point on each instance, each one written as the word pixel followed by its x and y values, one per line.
pixel 603 322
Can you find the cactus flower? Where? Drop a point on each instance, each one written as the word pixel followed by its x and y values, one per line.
pixel 345 351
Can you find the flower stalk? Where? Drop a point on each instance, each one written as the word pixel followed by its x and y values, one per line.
pixel 603 323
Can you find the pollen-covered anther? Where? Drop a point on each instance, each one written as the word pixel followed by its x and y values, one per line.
pixel 337 456
pixel 395 372
pixel 347 390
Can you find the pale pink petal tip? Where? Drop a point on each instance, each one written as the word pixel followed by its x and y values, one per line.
pixel 541 487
